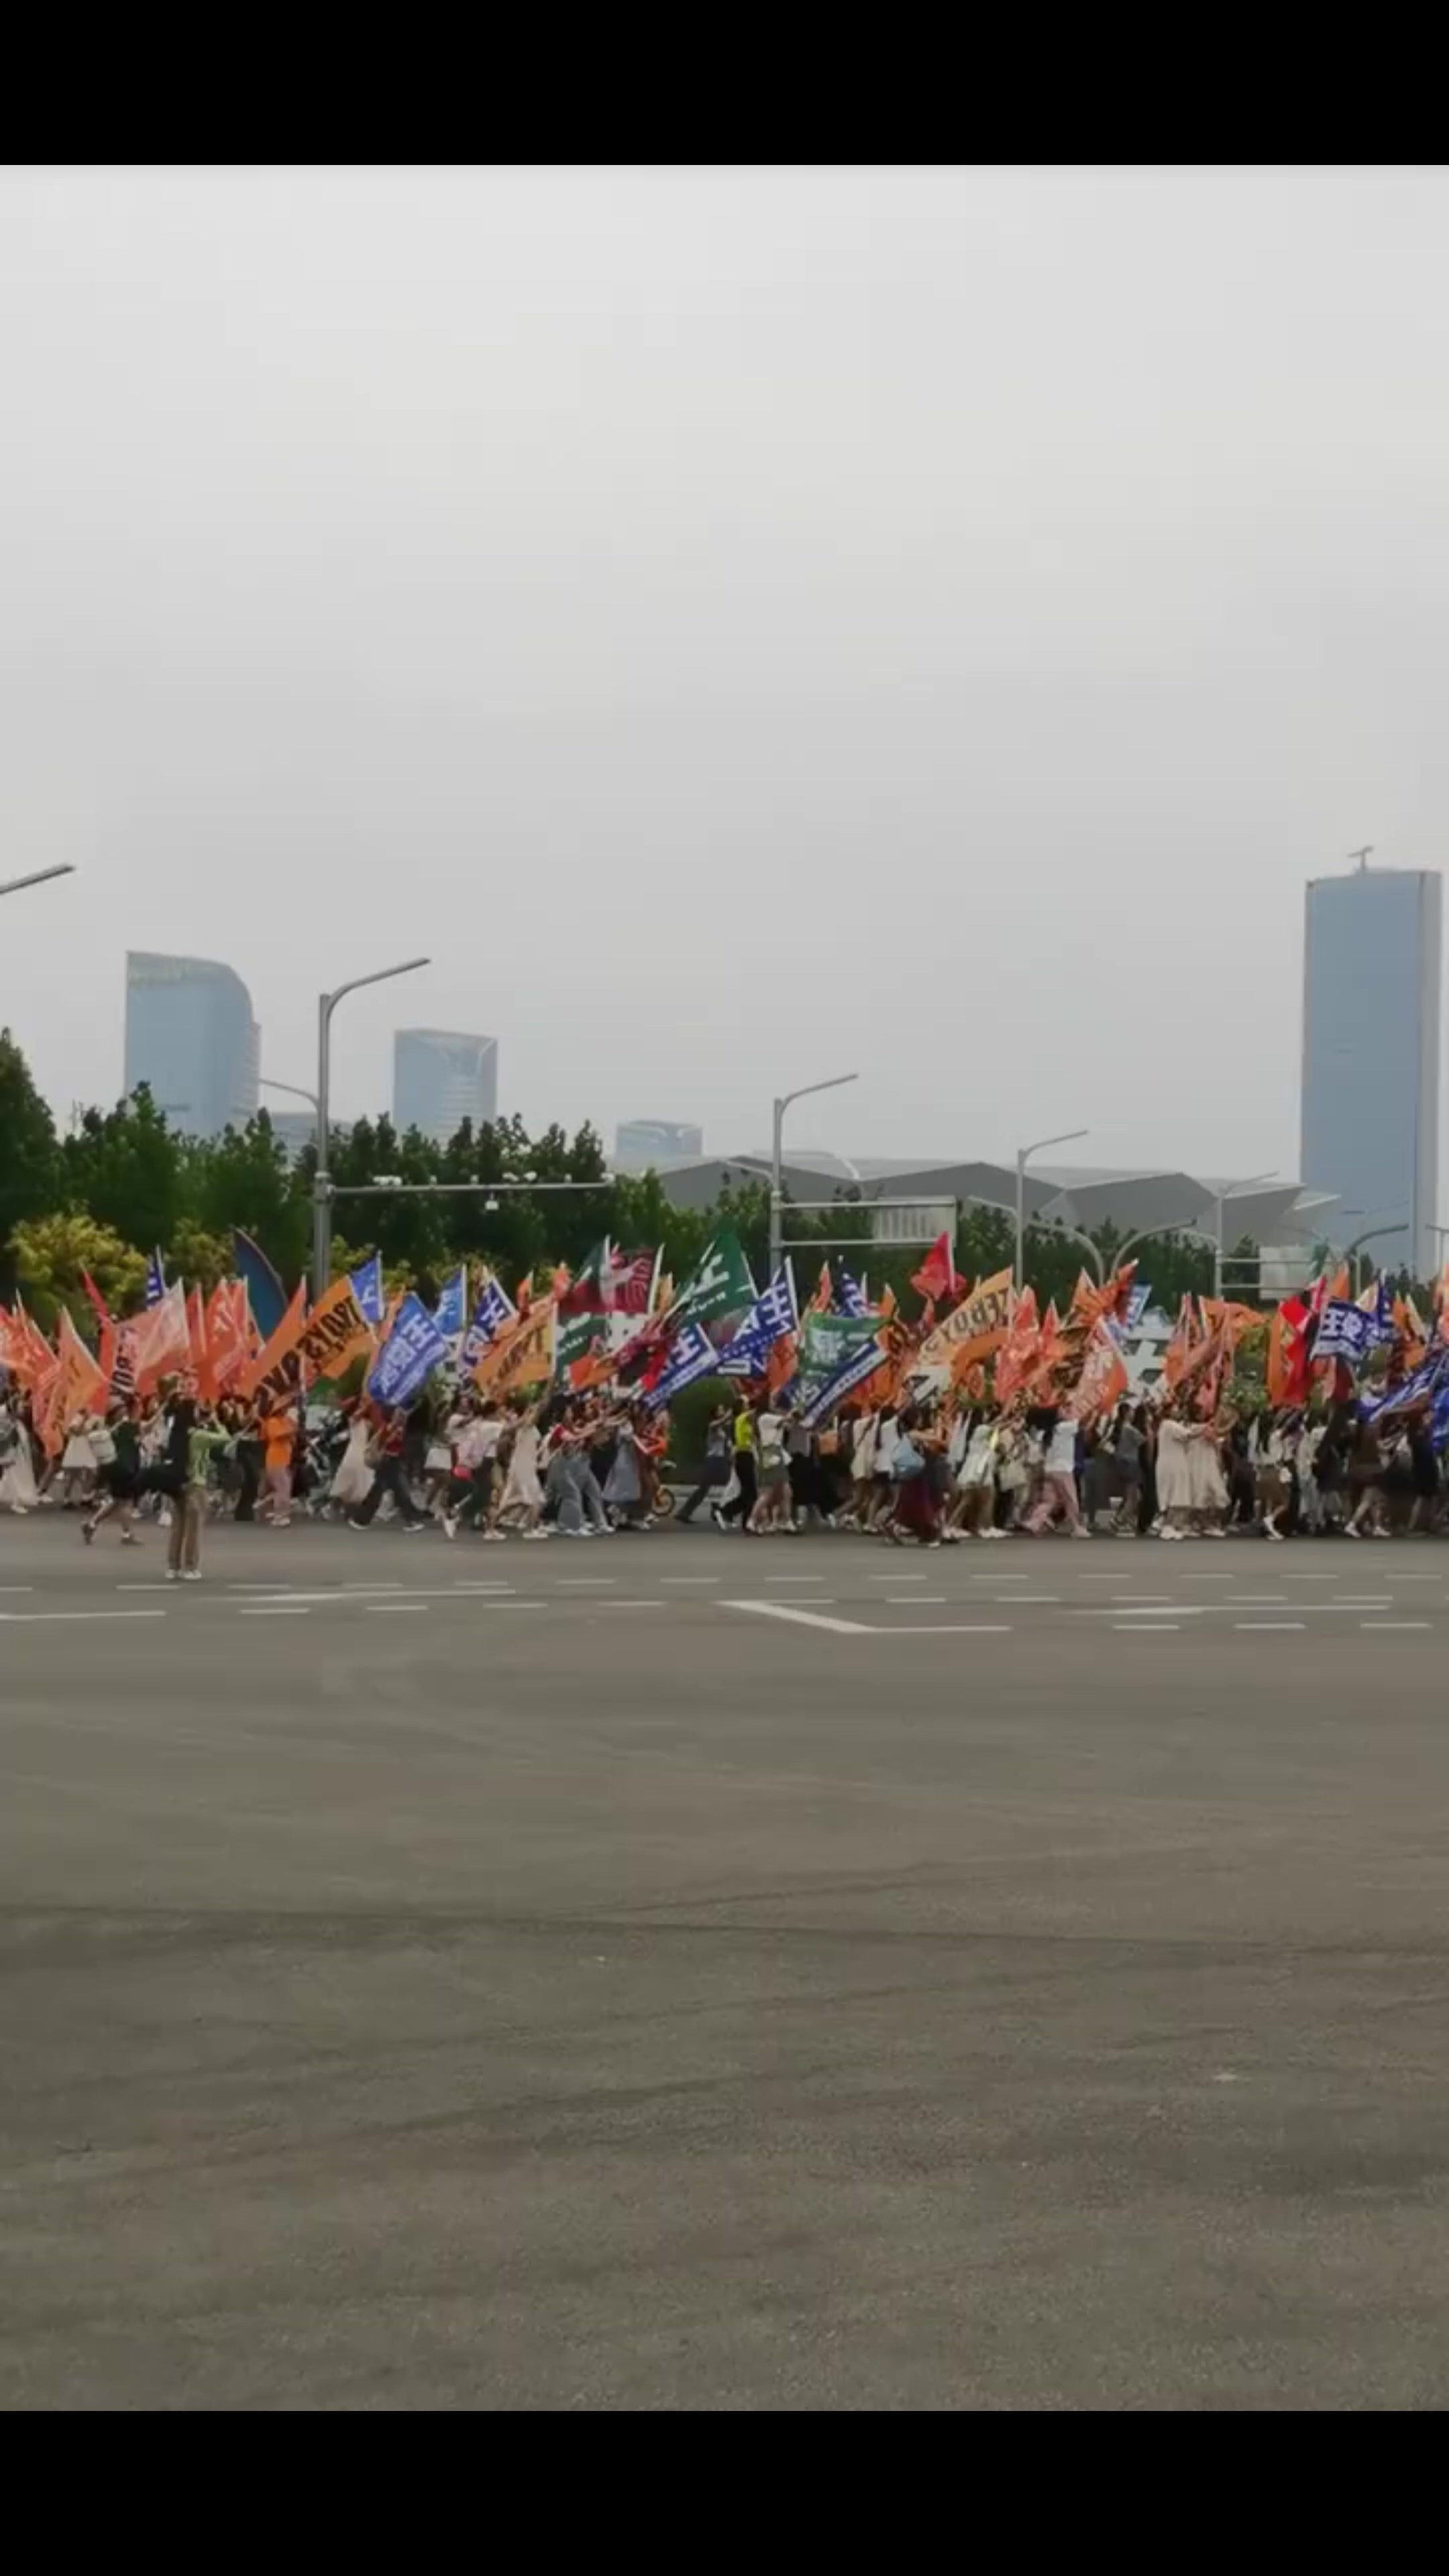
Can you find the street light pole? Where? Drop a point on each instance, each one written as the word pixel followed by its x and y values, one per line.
pixel 1229 1190
pixel 322 1184
pixel 42 876
pixel 781 1105
pixel 1372 1235
pixel 1024 1153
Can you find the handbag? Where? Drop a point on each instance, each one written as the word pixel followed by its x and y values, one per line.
pixel 906 1461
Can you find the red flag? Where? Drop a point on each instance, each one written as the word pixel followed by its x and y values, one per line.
pixel 162 1338
pixel 937 1276
pixel 97 1300
pixel 200 1358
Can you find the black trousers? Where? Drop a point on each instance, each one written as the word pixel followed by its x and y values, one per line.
pixel 388 1480
pixel 709 1483
pixel 745 1499
pixel 470 1496
pixel 249 1464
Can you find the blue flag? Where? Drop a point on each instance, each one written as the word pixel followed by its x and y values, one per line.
pixel 1344 1332
pixel 264 1289
pixel 451 1312
pixel 853 1370
pixel 850 1297
pixel 692 1355
pixel 155 1280
pixel 367 1289
pixel 494 1309
pixel 1427 1379
pixel 774 1312
pixel 413 1347
pixel 1137 1304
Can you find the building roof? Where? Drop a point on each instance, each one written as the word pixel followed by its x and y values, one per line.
pixel 1087 1196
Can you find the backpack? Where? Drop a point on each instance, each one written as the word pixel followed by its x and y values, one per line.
pixel 906 1461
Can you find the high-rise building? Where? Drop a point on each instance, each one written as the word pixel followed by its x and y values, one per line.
pixel 651 1140
pixel 439 1078
pixel 1371 1057
pixel 191 1036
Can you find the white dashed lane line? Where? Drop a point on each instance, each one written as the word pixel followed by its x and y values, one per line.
pixel 396 1609
pixel 1265 1627
pixel 274 1610
pixel 31 1618
pixel 1377 1626
pixel 802 1618
pixel 915 1600
pixel 1159 1628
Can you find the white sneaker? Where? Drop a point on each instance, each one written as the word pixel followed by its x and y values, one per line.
pixel 1085 1533
pixel 450 1526
pixel 191 1574
pixel 172 1576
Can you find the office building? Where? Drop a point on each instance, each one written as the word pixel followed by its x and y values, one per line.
pixel 439 1078
pixel 1371 1058
pixel 191 1037
pixel 645 1141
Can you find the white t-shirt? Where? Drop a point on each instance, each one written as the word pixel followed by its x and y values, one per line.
pixel 479 1442
pixel 1061 1457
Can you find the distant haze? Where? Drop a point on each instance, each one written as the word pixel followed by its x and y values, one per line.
pixel 747 625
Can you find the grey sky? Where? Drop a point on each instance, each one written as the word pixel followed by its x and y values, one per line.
pixel 746 625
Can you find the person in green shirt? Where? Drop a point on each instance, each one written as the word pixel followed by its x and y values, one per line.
pixel 195 1437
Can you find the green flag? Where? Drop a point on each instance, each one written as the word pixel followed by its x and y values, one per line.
pixel 720 1290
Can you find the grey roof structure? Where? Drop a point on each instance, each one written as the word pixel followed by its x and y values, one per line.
pixel 1085 1196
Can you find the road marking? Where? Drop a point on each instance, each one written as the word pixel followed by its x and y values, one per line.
pixel 680 1579
pixel 633 1605
pixel 1048 1600
pixel 1379 1625
pixel 947 1628
pixel 1179 1609
pixel 809 1618
pixel 1265 1627
pixel 584 1583
pixel 915 1600
pixel 275 1610
pixel 1160 1628
pixel 16 1587
pixel 1145 1600
pixel 143 1587
pixel 794 1580
pixel 16 1617
pixel 394 1609
pixel 893 1577
pixel 1255 1601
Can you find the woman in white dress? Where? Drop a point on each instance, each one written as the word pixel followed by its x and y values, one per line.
pixel 78 1462
pixel 1174 1475
pixel 352 1482
pixel 1208 1484
pixel 523 1492
pixel 18 1493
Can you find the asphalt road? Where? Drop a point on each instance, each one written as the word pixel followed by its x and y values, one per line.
pixel 676 1971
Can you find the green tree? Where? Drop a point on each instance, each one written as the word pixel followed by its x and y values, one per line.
pixel 29 1173
pixel 126 1168
pixel 50 1252
pixel 243 1178
pixel 201 1259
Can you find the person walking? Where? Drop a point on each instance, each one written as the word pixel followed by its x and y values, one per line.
pixel 772 1506
pixel 1058 1478
pixel 279 1443
pixel 118 1473
pixel 388 1477
pixel 742 1451
pixel 523 1488
pixel 716 1462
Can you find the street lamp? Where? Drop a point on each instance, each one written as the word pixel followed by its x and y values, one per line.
pixel 1229 1190
pixel 1371 1235
pixel 322 1185
pixel 269 1082
pixel 781 1105
pixel 42 876
pixel 1024 1154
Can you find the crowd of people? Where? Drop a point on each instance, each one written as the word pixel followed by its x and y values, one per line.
pixel 933 1472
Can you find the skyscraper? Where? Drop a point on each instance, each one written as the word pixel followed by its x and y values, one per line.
pixel 439 1078
pixel 1371 1056
pixel 191 1036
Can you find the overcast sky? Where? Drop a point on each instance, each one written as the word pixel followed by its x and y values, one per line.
pixel 747 625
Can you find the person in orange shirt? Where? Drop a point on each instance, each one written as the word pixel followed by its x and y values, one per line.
pixel 278 1434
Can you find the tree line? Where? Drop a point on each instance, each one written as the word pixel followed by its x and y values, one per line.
pixel 123 1183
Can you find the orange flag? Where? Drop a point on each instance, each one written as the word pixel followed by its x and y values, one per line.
pixel 77 1387
pixel 281 1346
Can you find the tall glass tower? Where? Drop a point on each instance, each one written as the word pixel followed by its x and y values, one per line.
pixel 1371 1057
pixel 439 1078
pixel 191 1036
